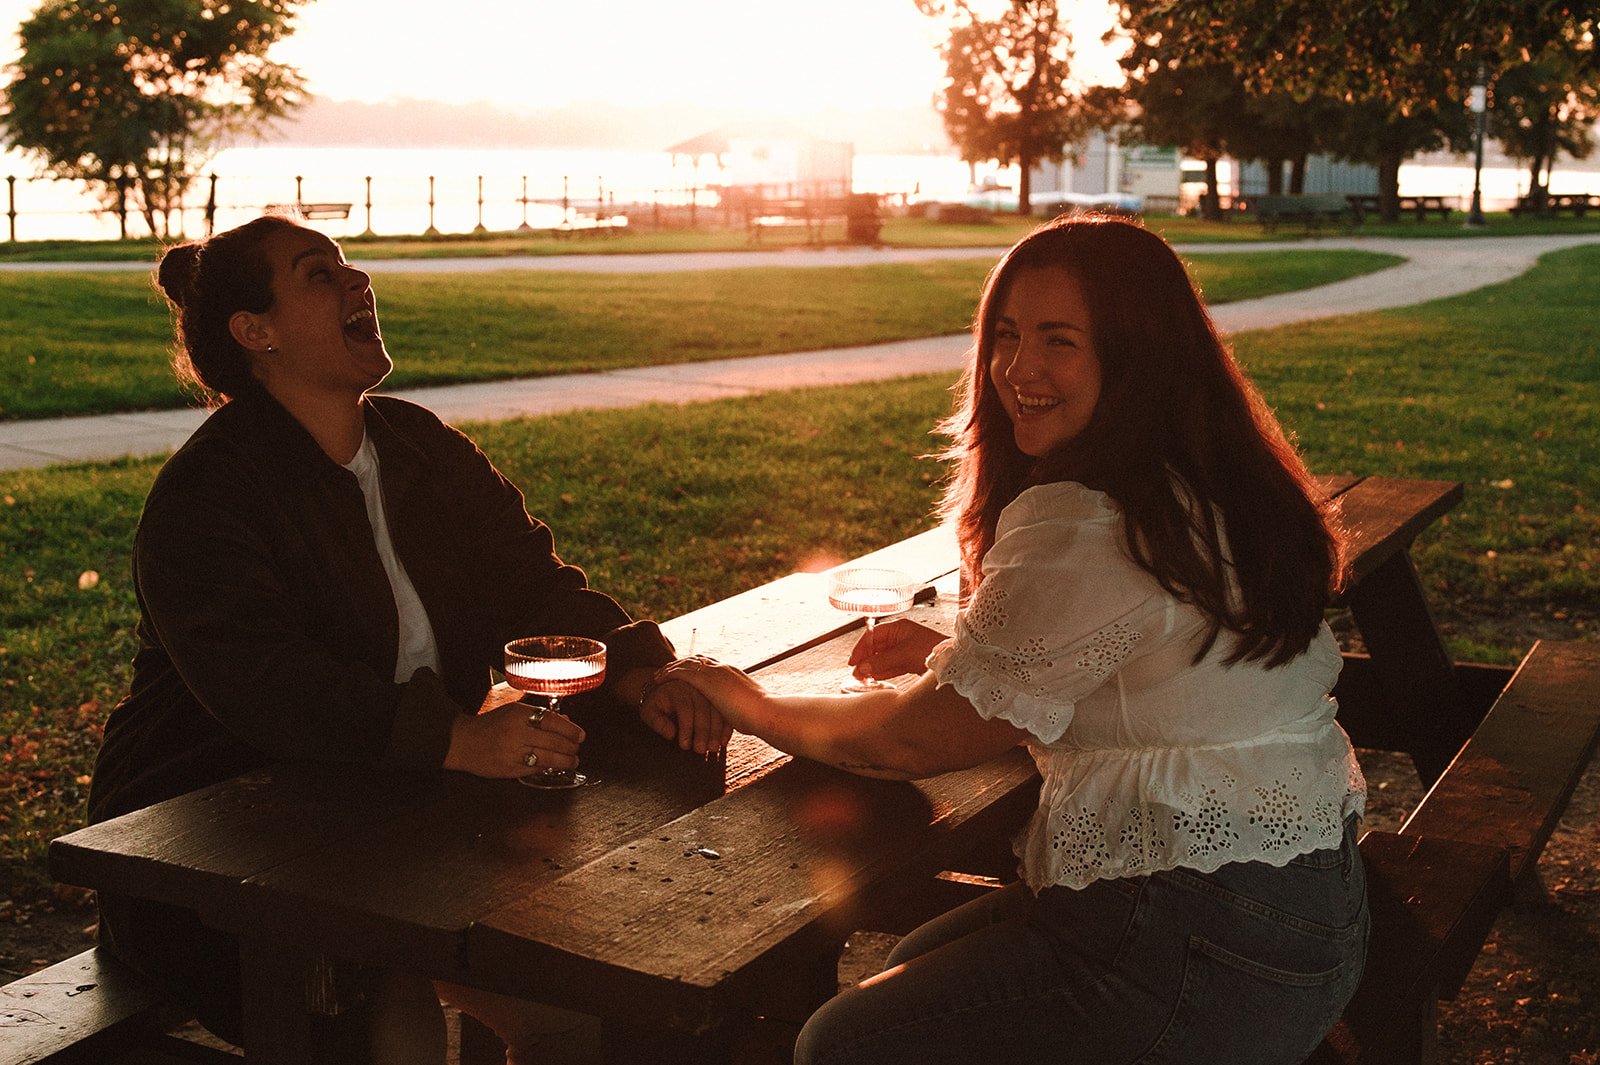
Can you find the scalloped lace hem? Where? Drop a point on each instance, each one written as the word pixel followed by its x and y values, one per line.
pixel 1206 863
pixel 958 666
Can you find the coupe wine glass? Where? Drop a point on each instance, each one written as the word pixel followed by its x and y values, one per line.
pixel 554 666
pixel 871 593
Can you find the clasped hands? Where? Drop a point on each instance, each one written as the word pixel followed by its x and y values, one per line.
pixel 898 647
pixel 694 702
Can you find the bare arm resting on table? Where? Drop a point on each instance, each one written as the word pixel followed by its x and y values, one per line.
pixel 920 731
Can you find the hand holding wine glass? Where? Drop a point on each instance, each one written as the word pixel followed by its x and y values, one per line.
pixel 873 593
pixel 553 667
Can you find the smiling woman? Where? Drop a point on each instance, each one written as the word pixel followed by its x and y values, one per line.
pixel 329 578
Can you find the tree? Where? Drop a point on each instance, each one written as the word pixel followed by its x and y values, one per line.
pixel 1546 106
pixel 1407 65
pixel 132 96
pixel 1208 111
pixel 1192 107
pixel 1006 95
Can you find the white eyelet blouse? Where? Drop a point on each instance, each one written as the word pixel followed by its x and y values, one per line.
pixel 1150 761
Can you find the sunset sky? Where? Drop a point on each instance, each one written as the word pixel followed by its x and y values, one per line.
pixel 785 57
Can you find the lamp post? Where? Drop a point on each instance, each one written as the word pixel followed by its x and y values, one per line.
pixel 1480 107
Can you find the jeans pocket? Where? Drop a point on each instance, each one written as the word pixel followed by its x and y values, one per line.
pixel 1242 1011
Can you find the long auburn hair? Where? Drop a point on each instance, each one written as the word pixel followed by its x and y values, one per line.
pixel 1217 505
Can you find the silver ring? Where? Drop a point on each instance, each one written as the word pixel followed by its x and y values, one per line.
pixel 537 716
pixel 530 759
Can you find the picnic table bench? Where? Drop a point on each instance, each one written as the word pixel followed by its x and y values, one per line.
pixel 1575 203
pixel 677 899
pixel 861 214
pixel 1308 209
pixel 1418 207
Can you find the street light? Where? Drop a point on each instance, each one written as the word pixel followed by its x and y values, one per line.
pixel 1480 107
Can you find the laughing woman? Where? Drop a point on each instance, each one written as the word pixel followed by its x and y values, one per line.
pixel 328 576
pixel 1148 569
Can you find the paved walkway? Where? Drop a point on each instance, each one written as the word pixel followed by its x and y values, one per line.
pixel 1433 269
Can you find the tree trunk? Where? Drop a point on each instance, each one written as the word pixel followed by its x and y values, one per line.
pixel 1211 200
pixel 1297 174
pixel 1389 160
pixel 1024 184
pixel 1274 177
pixel 1550 150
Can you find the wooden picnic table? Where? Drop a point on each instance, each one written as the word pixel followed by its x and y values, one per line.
pixel 674 898
pixel 1419 207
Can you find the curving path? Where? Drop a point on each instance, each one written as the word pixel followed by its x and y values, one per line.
pixel 1433 269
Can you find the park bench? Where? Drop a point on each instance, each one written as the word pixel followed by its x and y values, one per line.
pixel 1310 210
pixel 1574 203
pixel 92 1010
pixel 1438 884
pixel 860 213
pixel 1418 207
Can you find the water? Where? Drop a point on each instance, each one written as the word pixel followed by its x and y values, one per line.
pixel 513 185
pixel 529 185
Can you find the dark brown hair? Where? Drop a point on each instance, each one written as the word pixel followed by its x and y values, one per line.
pixel 207 282
pixel 1179 439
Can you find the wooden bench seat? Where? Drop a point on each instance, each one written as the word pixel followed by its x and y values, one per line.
pixel 1310 210
pixel 93 1010
pixel 1437 885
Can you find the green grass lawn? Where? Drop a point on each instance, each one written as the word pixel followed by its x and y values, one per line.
pixel 898 231
pixel 86 343
pixel 669 508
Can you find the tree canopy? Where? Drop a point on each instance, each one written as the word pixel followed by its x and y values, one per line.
pixel 1006 95
pixel 132 96
pixel 1405 68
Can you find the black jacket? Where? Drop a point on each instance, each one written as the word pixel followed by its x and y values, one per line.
pixel 268 629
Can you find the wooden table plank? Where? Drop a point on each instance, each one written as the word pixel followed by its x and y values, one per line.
pixel 487 841
pixel 1384 514
pixel 195 849
pixel 1509 784
pixel 798 857
pixel 796 853
pixel 1333 485
pixel 759 626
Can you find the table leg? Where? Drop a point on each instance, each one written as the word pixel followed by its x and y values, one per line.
pixel 1413 667
pixel 279 1028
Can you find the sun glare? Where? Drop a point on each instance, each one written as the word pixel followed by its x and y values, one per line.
pixel 751 54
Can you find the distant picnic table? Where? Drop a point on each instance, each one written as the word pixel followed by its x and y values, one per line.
pixel 1418 207
pixel 1574 203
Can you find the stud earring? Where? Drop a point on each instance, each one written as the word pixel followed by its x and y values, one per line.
pixel 271 350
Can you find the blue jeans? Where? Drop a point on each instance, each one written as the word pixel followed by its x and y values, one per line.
pixel 1249 964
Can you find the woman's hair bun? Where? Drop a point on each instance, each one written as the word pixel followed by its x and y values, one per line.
pixel 176 272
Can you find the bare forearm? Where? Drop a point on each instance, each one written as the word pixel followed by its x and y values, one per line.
pixel 902 734
pixel 856 733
